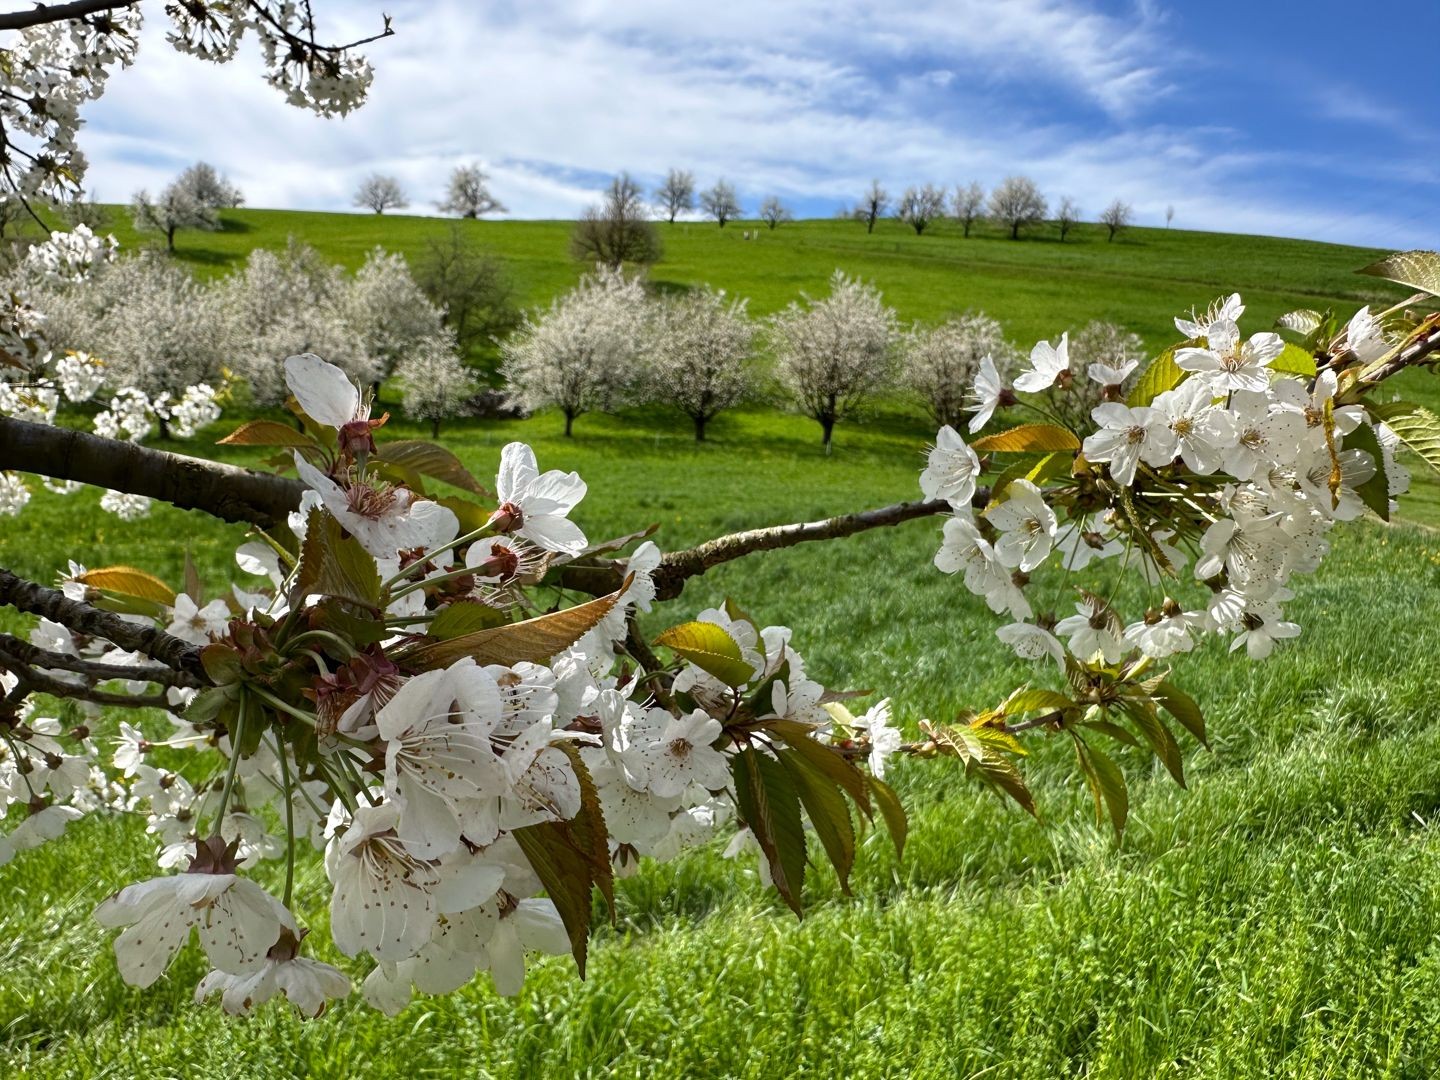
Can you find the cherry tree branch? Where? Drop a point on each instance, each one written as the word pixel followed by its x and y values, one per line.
pixel 50 13
pixel 32 680
pixel 224 491
pixel 84 618
pixel 99 670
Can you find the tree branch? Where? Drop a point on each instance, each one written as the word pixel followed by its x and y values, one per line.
pixel 225 491
pixel 83 618
pixel 34 656
pixel 31 680
pixel 50 13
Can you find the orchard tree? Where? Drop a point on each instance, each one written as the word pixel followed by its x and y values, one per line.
pixel 873 205
pixel 1067 216
pixel 968 205
pixel 1104 357
pixel 699 354
pixel 676 195
pixel 1016 203
pixel 176 208
pixel 1115 218
pixel 579 354
pixel 380 193
pixel 918 207
pixel 939 364
pixel 719 202
pixel 619 230
pixel 832 355
pixel 470 286
pixel 208 188
pixel 774 212
pixel 434 383
pixel 391 313
pixel 468 195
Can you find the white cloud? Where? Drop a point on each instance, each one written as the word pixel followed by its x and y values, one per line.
pixel 805 99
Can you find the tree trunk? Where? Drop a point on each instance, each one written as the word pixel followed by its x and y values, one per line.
pixel 170 239
pixel 164 426
pixel 1015 231
pixel 870 224
pixel 699 427
pixel 827 425
pixel 569 425
pixel 967 230
pixel 435 427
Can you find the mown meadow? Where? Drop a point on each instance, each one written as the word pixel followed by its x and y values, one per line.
pixel 1276 919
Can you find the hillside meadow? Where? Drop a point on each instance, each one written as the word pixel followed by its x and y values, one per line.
pixel 1277 919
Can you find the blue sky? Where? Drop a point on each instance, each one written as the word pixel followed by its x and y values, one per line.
pixel 1298 119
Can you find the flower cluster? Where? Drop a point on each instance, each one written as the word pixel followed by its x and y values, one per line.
pixel 1231 464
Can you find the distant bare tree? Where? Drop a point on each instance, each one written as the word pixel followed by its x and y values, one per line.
pixel 208 188
pixel 1116 217
pixel 873 205
pixel 469 285
pixel 176 208
pixel 676 194
pixel 1067 216
pixel 380 193
pixel 619 230
pixel 773 212
pixel 1017 202
pixel 918 207
pixel 1169 215
pixel 969 205
pixel 719 202
pixel 469 194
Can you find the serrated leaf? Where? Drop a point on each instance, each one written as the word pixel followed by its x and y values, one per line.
pixel 1375 492
pixel 891 811
pixel 432 460
pixel 535 640
pixel 334 564
pixel 266 433
pixel 572 858
pixel 1115 731
pixel 464 617
pixel 1024 701
pixel 711 649
pixel 1183 708
pixel 1027 439
pixel 126 581
pixel 828 812
pixel 1160 375
pixel 1416 426
pixel 1154 731
pixel 1107 785
pixel 1418 269
pixel 1305 321
pixel 824 759
pixel 769 805
pixel 1293 360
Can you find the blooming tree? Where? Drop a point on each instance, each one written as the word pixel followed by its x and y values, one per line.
pixel 919 206
pixel 720 203
pixel 676 194
pixel 774 212
pixel 173 209
pixel 468 194
pixel 579 354
pixel 833 354
pixel 1016 203
pixel 380 193
pixel 434 383
pixel 699 354
pixel 968 205
pixel 939 364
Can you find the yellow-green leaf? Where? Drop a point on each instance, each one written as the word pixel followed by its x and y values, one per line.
pixel 891 811
pixel 1417 427
pixel 464 617
pixel 1293 360
pixel 128 581
pixel 1160 374
pixel 266 433
pixel 1024 701
pixel 1029 438
pixel 1418 269
pixel 711 649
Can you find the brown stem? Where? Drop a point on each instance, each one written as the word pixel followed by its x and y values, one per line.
pixel 83 618
pixel 32 680
pixel 34 656
pixel 1412 354
pixel 224 491
pixel 50 13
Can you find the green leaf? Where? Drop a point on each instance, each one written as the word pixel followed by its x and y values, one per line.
pixel 1417 427
pixel 126 581
pixel 1107 785
pixel 769 805
pixel 1029 438
pixel 464 617
pixel 535 640
pixel 572 858
pixel 1115 731
pixel 471 515
pixel 334 564
pixel 1183 708
pixel 267 433
pixel 1293 360
pixel 1154 731
pixel 826 760
pixel 1418 269
pixel 1025 701
pixel 711 649
pixel 1375 492
pixel 828 812
pixel 1160 375
pixel 1305 321
pixel 432 460
pixel 890 810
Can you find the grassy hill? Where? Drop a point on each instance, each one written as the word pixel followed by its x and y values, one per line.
pixel 1275 920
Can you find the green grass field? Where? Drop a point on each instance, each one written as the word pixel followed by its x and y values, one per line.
pixel 1276 920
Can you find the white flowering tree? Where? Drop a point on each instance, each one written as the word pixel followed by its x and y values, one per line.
pixel 434 382
pixel 581 354
pixel 939 364
pixel 833 354
pixel 699 354
pixel 468 194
